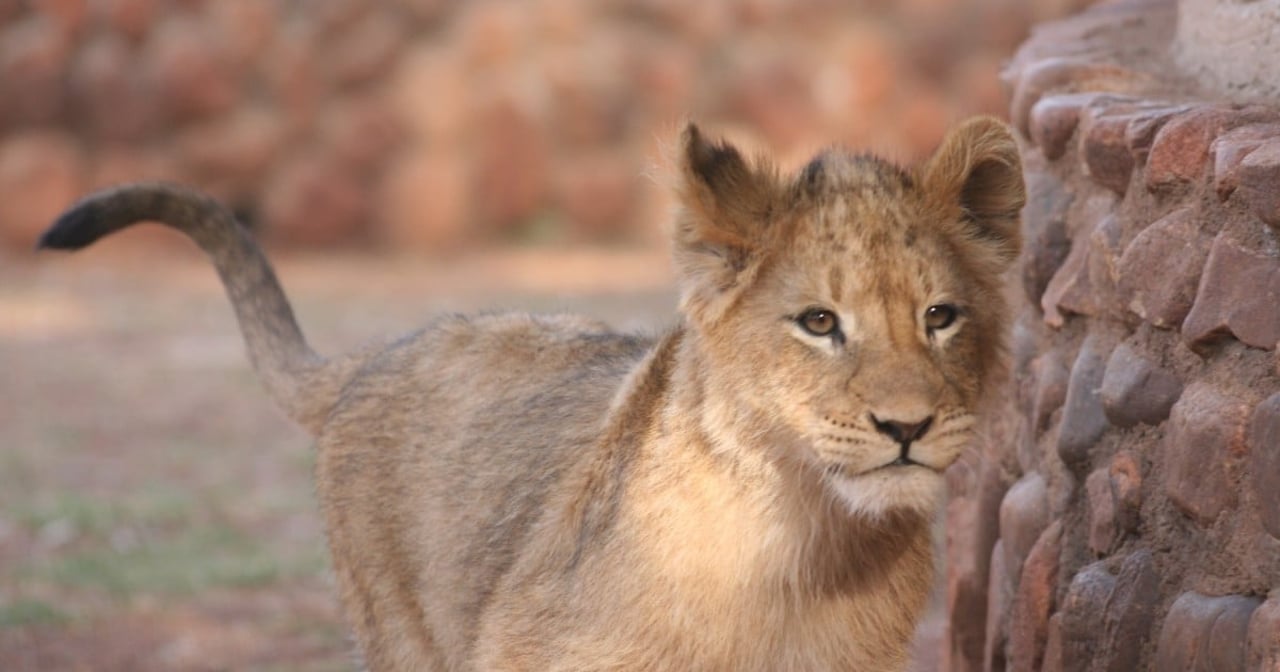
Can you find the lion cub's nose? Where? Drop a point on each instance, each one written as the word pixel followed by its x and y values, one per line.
pixel 902 432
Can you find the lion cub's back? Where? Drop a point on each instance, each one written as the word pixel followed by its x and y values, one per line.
pixel 439 453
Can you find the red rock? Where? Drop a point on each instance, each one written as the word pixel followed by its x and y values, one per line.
pixel 1258 174
pixel 1160 269
pixel 291 74
pixel 1053 661
pixel 999 595
pixel 314 200
pixel 68 15
pixel 41 173
pixel 245 29
pixel 1238 296
pixel 1054 120
pixel 1024 515
pixel 109 97
pixel 1264 637
pixel 1204 442
pixel 1102 512
pixel 589 109
pixel 512 166
pixel 1082 612
pixel 1104 148
pixel 424 11
pixel 1136 389
pixel 431 95
pixel 34 55
pixel 1083 284
pixel 1065 75
pixel 1053 374
pixel 1205 633
pixel 969 545
pixel 131 18
pixel 361 131
pixel 234 152
pixel 1129 613
pixel 1045 229
pixel 188 68
pixel 1083 421
pixel 362 51
pixel 1264 462
pixel 1230 148
pixel 1033 601
pixel 493 35
pixel 116 164
pixel 425 204
pixel 772 97
pixel 1144 125
pixel 597 194
pixel 1180 151
pixel 1125 472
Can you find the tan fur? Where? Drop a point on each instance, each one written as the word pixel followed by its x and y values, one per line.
pixel 509 492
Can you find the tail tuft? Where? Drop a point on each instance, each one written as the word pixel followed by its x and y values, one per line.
pixel 76 228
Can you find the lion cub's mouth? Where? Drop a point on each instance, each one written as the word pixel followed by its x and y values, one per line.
pixel 900 462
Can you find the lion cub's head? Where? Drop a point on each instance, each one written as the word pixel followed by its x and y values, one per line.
pixel 851 315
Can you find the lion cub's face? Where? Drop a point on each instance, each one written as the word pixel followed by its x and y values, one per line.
pixel 853 313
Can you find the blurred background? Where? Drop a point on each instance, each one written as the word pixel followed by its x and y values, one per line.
pixel 399 157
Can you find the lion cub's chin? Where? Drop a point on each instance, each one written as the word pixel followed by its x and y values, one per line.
pixel 876 493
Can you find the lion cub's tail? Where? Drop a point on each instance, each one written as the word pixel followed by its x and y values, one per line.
pixel 304 384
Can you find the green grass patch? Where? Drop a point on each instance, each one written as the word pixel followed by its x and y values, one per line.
pixel 31 612
pixel 187 562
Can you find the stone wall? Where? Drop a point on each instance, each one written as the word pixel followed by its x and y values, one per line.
pixel 1124 513
pixel 432 123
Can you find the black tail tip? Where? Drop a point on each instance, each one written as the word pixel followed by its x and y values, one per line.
pixel 74 229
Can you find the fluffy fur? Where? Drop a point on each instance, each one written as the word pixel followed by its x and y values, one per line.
pixel 748 491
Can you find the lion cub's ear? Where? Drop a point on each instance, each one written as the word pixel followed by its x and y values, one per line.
pixel 978 168
pixel 724 224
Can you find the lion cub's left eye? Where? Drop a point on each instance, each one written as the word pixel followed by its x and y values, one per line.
pixel 940 316
pixel 818 322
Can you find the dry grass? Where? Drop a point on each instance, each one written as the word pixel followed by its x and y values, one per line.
pixel 156 512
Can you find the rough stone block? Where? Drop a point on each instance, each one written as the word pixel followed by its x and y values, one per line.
pixel 1053 121
pixel 1257 175
pixel 1238 296
pixel 1144 126
pixel 1160 269
pixel 1083 420
pixel 1205 634
pixel 1082 611
pixel 1024 514
pixel 1180 150
pixel 1231 148
pixel 1125 472
pixel 1264 636
pixel 1044 221
pixel 1130 613
pixel 1033 601
pixel 1052 377
pixel 1102 511
pixel 1206 437
pixel 1085 284
pixel 972 531
pixel 1136 389
pixel 1050 75
pixel 999 595
pixel 1104 149
pixel 1264 462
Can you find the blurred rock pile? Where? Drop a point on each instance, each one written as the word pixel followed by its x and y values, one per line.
pixel 429 124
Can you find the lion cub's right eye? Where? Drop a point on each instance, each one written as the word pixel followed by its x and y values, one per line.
pixel 818 321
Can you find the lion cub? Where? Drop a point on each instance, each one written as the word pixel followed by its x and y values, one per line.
pixel 751 490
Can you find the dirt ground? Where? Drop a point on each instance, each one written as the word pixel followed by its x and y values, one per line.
pixel 156 511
